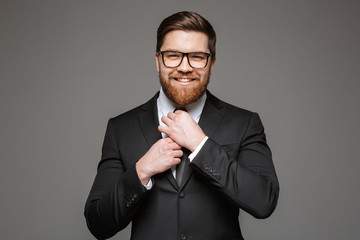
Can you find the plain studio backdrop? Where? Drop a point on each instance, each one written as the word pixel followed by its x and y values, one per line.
pixel 68 66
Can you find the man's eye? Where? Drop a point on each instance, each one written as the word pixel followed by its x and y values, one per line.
pixel 173 55
pixel 198 57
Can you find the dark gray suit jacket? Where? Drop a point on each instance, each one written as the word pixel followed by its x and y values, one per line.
pixel 232 171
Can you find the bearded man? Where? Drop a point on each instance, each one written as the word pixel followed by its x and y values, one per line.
pixel 182 165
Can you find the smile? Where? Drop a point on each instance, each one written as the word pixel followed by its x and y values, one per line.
pixel 184 79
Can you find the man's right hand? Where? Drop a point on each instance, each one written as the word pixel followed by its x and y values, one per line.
pixel 164 154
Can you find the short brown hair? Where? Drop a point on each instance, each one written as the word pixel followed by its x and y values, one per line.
pixel 186 21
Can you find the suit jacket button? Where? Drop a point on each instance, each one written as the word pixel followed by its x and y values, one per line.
pixel 183 237
pixel 181 195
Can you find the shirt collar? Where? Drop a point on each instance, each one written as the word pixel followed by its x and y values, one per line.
pixel 194 109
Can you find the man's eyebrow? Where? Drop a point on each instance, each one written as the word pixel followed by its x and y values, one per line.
pixel 171 49
pixel 174 50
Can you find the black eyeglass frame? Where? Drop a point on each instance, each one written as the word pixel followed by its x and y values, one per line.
pixel 183 55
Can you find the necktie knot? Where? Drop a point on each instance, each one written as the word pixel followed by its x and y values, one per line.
pixel 180 108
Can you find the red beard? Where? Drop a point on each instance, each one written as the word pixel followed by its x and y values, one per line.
pixel 183 95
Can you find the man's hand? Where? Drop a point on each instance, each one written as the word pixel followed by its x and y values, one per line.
pixel 182 129
pixel 164 154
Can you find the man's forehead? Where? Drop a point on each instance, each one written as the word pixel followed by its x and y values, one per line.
pixel 185 41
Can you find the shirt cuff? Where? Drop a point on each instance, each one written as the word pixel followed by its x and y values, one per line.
pixel 197 149
pixel 149 185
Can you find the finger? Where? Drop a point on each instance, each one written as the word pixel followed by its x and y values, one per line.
pixel 168 140
pixel 166 120
pixel 171 115
pixel 177 153
pixel 175 146
pixel 177 161
pixel 163 129
pixel 169 145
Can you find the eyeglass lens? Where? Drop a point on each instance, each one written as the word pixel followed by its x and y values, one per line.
pixel 174 59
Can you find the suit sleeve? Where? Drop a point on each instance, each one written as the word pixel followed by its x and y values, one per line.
pixel 244 171
pixel 116 192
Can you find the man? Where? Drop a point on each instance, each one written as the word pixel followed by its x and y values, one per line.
pixel 182 174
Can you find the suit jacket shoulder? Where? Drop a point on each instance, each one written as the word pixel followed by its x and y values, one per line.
pixel 133 113
pixel 228 106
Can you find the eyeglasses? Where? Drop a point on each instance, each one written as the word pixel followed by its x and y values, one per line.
pixel 173 59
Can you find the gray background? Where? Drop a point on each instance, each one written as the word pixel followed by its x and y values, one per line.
pixel 68 66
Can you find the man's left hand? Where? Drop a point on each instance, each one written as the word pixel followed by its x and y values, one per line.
pixel 181 128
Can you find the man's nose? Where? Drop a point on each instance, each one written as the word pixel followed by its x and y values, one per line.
pixel 185 66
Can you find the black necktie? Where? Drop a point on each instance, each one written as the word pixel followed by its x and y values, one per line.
pixel 184 159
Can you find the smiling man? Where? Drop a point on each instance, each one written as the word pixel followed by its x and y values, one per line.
pixel 184 82
pixel 182 165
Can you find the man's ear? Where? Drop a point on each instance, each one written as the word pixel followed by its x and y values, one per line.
pixel 213 59
pixel 157 61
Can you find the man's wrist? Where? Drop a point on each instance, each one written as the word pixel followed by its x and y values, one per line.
pixel 195 144
pixel 198 148
pixel 144 178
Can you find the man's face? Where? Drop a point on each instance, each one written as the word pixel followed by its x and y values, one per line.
pixel 184 84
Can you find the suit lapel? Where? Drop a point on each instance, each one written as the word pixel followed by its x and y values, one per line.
pixel 211 115
pixel 149 122
pixel 209 121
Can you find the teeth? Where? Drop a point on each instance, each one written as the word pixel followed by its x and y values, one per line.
pixel 184 79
